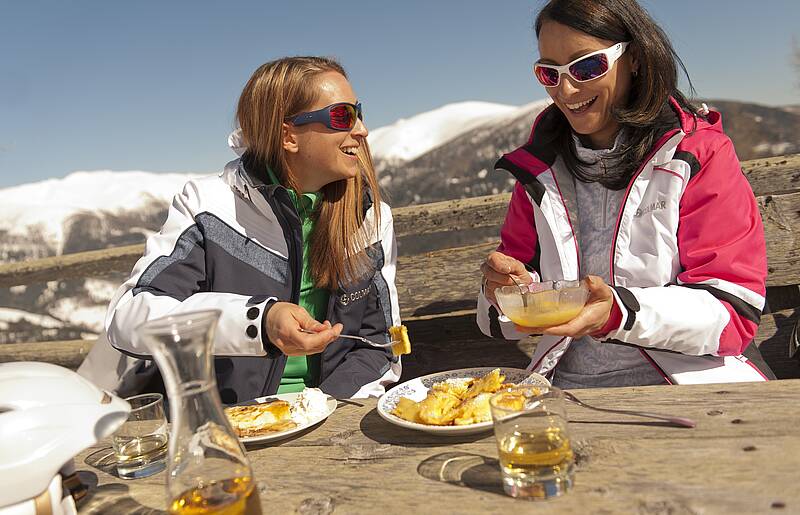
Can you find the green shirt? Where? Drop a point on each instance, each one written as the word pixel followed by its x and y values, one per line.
pixel 302 371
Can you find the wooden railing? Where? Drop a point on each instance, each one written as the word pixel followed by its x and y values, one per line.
pixel 437 289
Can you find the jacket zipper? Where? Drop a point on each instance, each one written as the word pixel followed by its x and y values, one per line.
pixel 611 274
pixel 569 221
pixel 297 259
pixel 666 137
pixel 290 233
pixel 295 254
pixel 278 206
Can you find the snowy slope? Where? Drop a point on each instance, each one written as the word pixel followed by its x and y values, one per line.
pixel 49 203
pixel 409 138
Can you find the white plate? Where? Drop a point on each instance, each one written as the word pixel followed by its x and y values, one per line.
pixel 280 435
pixel 417 389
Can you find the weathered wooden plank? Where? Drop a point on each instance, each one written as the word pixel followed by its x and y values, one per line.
pixel 451 215
pixel 781 216
pixel 774 179
pixel 781 226
pixel 773 175
pixel 737 460
pixel 94 263
pixel 440 281
pixel 449 280
pixel 615 475
pixel 410 220
pixel 67 354
pixel 769 176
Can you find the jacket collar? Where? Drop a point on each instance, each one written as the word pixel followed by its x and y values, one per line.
pixel 243 182
pixel 538 155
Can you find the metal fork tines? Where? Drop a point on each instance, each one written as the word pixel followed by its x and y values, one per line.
pixel 359 338
pixel 678 421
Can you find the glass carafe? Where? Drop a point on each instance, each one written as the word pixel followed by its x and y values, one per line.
pixel 208 471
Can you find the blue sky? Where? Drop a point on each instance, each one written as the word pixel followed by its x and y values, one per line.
pixel 148 85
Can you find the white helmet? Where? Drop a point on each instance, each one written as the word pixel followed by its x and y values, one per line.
pixel 48 414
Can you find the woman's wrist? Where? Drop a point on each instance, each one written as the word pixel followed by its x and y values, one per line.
pixel 612 323
pixel 270 348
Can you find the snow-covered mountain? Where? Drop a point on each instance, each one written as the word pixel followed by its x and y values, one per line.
pixel 460 167
pixel 100 209
pixel 441 154
pixel 408 138
pixel 44 211
pixel 46 206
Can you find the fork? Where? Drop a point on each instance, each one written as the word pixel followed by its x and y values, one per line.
pixel 522 290
pixel 536 380
pixel 678 421
pixel 359 338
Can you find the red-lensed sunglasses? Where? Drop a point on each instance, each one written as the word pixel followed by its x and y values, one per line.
pixel 583 69
pixel 340 116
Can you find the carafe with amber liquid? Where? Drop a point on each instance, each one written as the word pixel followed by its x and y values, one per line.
pixel 208 471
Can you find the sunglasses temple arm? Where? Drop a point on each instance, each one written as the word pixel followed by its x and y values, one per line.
pixel 312 117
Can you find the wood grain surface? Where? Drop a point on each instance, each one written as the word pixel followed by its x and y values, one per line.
pixel 741 458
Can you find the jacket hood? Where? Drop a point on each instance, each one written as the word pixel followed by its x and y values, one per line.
pixel 691 122
pixel 236 142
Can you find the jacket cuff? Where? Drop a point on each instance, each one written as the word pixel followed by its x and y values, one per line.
pixel 613 322
pixel 627 301
pixel 269 347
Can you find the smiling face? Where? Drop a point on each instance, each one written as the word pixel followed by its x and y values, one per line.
pixel 587 105
pixel 317 155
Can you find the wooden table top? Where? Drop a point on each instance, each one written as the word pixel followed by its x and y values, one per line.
pixel 743 457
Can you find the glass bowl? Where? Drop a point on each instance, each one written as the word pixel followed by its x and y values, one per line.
pixel 543 304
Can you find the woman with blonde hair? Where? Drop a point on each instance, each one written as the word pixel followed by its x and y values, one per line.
pixel 291 242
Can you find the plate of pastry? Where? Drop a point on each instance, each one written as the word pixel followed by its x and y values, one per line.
pixel 455 402
pixel 267 419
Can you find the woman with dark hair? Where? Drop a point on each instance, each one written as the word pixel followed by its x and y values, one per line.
pixel 624 183
pixel 291 243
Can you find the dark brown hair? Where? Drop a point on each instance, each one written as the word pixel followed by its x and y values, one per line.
pixel 647 114
pixel 285 87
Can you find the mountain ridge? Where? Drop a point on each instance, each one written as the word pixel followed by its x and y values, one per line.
pixel 120 208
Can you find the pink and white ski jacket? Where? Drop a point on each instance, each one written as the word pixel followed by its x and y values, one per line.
pixel 688 257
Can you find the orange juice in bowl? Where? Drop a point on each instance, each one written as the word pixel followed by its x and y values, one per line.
pixel 542 304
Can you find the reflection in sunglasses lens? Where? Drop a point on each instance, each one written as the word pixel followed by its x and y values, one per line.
pixel 589 68
pixel 341 117
pixel 547 76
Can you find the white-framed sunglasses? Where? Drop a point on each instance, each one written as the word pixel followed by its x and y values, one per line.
pixel 583 69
